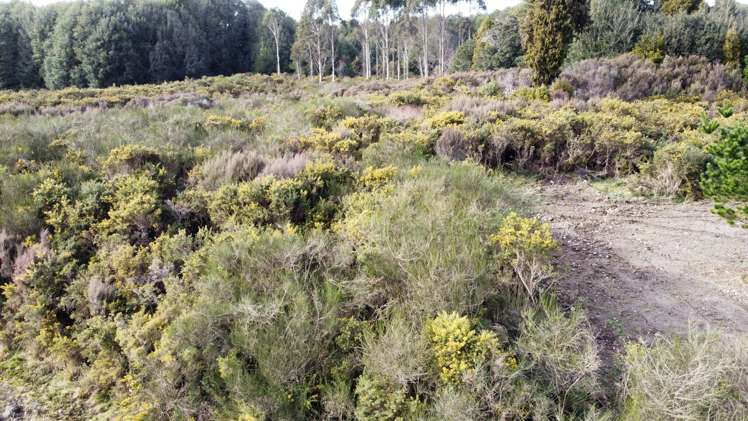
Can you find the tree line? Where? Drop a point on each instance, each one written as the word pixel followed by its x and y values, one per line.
pixel 114 42
pixel 104 43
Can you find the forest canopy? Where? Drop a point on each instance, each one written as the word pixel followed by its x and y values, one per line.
pixel 114 42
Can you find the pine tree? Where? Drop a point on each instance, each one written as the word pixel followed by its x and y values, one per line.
pixel 8 51
pixel 548 30
pixel 60 64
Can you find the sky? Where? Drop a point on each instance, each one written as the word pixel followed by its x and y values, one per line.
pixel 294 7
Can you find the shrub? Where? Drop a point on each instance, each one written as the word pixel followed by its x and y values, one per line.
pixel 453 145
pixel 230 167
pixel 244 203
pixel 19 214
pixel 561 89
pixel 726 110
pixel 8 250
pixel 131 158
pixel 226 122
pixel 529 144
pixel 539 93
pixel 452 404
pixel 377 178
pixel 136 207
pixel 492 89
pixel 258 332
pixel 396 353
pixel 287 166
pixel 406 240
pixel 331 142
pixel 699 376
pixel 412 97
pixel 726 176
pixel 631 77
pixel 457 346
pixel 708 125
pixel 526 244
pixel 380 400
pixel 650 47
pixel 561 350
pixel 445 120
pixel 677 167
pixel 326 116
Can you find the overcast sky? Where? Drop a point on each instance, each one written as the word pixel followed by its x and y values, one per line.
pixel 293 7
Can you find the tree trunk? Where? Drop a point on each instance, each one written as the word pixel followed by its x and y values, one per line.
pixel 425 35
pixel 367 52
pixel 332 48
pixel 277 55
pixel 319 56
pixel 406 64
pixel 442 28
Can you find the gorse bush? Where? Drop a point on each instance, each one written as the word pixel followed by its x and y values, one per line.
pixel 526 245
pixel 457 346
pixel 250 247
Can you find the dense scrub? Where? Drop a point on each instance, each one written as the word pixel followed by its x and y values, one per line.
pixel 269 248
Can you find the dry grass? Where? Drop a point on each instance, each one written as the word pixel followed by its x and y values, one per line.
pixel 700 376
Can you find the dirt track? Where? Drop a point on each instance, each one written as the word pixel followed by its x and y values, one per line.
pixel 642 268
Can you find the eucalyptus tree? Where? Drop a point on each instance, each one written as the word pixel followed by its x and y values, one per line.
pixel 365 10
pixel 422 9
pixel 318 26
pixel 274 20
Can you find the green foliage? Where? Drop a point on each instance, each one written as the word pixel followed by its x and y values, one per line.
pixel 613 30
pixel 266 340
pixel 726 110
pixel 680 6
pixel 225 122
pixel 677 167
pixel 380 400
pixel 136 207
pixel 411 97
pixel 650 47
pixel 463 58
pixel 526 245
pixel 732 49
pixel 457 346
pixel 708 125
pixel 446 119
pixel 498 43
pixel 539 93
pixel 412 261
pixel 201 251
pixel 492 89
pixel 309 198
pixel 547 32
pixel 726 176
